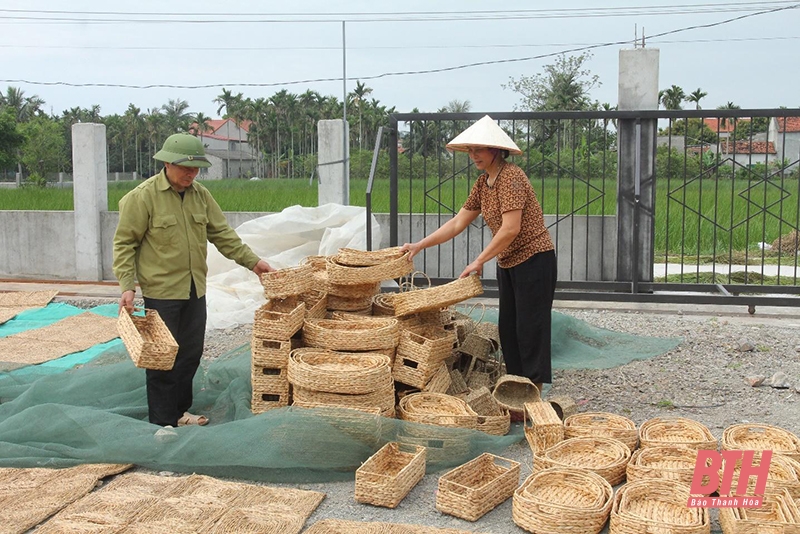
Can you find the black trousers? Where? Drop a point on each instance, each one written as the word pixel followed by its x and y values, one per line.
pixel 525 318
pixel 169 393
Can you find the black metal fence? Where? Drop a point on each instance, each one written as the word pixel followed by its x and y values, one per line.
pixel 642 205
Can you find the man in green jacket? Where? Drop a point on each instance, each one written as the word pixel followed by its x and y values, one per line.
pixel 164 227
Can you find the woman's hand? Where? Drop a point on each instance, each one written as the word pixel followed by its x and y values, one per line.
pixel 126 301
pixel 412 248
pixel 262 267
pixel 474 267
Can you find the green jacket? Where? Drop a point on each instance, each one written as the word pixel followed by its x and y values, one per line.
pixel 162 239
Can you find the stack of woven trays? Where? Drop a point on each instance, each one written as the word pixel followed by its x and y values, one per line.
pixel 778 513
pixel 563 500
pixel 477 487
pixel 438 414
pixel 291 299
pixel 359 381
pixel 353 277
pixel 389 474
pixel 656 506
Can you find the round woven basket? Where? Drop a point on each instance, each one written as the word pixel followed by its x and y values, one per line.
pixel 368 334
pixel 339 303
pixel 388 270
pixel 382 304
pixel 383 399
pixel 354 291
pixel 604 456
pixel 512 392
pixel 604 425
pixel 676 431
pixel 759 437
pixel 662 463
pixel 438 296
pixel 656 506
pixel 287 282
pixel 437 409
pixel 365 258
pixel 562 500
pixel 339 372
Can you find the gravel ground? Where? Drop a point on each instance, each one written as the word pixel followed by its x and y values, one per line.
pixel 704 379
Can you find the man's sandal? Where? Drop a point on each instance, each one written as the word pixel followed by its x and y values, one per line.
pixel 191 419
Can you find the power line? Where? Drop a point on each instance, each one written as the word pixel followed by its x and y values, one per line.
pixel 399 47
pixel 421 16
pixel 406 73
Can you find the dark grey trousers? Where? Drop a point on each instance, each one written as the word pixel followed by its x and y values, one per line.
pixel 169 393
pixel 525 318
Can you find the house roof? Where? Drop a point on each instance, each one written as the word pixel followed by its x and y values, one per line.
pixel 747 147
pixel 217 124
pixel 788 124
pixel 231 155
pixel 716 125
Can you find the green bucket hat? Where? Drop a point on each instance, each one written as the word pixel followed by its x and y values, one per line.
pixel 184 150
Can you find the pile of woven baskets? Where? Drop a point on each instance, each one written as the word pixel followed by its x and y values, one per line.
pixel 577 461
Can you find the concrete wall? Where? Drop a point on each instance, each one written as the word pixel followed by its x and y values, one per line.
pixel 40 244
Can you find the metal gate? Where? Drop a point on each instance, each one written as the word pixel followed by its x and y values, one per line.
pixel 660 206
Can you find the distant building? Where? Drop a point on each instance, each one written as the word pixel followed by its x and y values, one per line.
pixel 229 151
pixel 749 152
pixel 785 131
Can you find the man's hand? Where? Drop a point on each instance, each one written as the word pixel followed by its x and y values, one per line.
pixel 474 267
pixel 126 301
pixel 412 248
pixel 262 267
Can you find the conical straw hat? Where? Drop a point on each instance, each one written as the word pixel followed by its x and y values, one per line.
pixel 486 133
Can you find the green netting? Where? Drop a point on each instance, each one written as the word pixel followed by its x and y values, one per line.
pixel 97 412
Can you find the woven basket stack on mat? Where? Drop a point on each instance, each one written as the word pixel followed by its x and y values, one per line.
pixel 576 462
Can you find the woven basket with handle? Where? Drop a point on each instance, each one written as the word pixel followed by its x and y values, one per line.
pixel 438 297
pixel 148 340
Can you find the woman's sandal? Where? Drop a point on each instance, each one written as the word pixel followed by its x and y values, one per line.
pixel 191 419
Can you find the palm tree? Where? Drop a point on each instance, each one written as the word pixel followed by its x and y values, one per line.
pixel 134 123
pixel 671 98
pixel 25 108
pixel 696 97
pixel 357 97
pixel 730 105
pixel 201 125
pixel 176 116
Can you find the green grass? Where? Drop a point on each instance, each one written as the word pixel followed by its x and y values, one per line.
pixel 680 232
pixel 739 277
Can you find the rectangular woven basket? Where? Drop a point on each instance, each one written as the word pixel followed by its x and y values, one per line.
pixel 389 474
pixel 273 352
pixel 546 428
pixel 263 401
pixel 148 340
pixel 477 487
pixel 279 319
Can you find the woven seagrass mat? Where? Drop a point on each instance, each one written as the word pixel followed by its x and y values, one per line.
pixel 337 526
pixel 143 503
pixel 29 496
pixel 73 334
pixel 12 304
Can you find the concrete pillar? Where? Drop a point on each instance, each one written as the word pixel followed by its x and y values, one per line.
pixel 333 162
pixel 116 176
pixel 90 190
pixel 18 177
pixel 61 177
pixel 636 141
pixel 135 176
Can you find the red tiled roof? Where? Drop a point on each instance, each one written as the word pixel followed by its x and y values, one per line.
pixel 716 125
pixel 788 124
pixel 746 147
pixel 217 124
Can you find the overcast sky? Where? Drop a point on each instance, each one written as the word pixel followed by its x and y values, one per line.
pixel 752 62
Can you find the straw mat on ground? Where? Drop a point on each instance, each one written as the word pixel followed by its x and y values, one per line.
pixel 197 503
pixel 338 526
pixel 73 334
pixel 29 496
pixel 27 299
pixel 6 314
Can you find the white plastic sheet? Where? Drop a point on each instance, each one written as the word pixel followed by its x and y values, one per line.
pixel 283 240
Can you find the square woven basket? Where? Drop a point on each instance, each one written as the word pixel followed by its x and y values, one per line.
pixel 389 474
pixel 546 428
pixel 148 340
pixel 477 487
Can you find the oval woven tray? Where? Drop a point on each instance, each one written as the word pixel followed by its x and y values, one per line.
pixel 368 334
pixel 602 424
pixel 562 499
pixel 287 282
pixel 382 399
pixel 656 506
pixel 347 275
pixel 339 372
pixel 759 437
pixel 604 456
pixel 676 431
pixel 365 258
pixel 668 463
pixel 437 409
pixel 784 474
pixel 438 296
pixel 382 304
